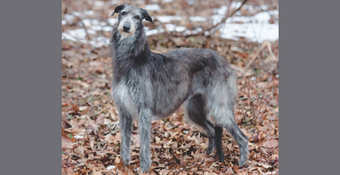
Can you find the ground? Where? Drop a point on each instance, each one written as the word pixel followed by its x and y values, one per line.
pixel 90 126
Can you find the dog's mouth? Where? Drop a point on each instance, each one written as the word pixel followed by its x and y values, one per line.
pixel 126 31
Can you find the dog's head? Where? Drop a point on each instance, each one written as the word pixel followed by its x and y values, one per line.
pixel 130 18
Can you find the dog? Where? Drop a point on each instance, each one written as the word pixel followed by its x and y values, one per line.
pixel 148 85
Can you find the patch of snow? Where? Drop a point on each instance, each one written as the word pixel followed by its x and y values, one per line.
pixel 91 31
pixel 140 2
pixel 262 17
pixel 112 21
pixel 77 33
pixel 152 7
pixel 165 1
pixel 98 28
pixel 154 31
pixel 110 167
pixel 88 12
pixel 264 7
pixel 220 11
pixel 78 136
pixel 113 2
pixel 255 32
pixel 172 27
pixel 165 19
pixel 76 14
pixel 197 18
pixel 191 2
pixel 235 5
pixel 99 3
pixel 68 17
pixel 68 37
pixel 87 22
pixel 63 22
pixel 107 28
pixel 100 41
pixel 95 21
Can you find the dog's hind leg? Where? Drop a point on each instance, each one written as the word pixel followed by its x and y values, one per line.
pixel 241 139
pixel 196 112
pixel 218 142
pixel 228 121
pixel 125 129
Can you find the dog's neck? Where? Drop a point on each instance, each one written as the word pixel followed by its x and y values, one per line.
pixel 128 52
pixel 131 47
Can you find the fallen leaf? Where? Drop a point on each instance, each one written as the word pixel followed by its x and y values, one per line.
pixel 65 141
pixel 230 171
pixel 272 143
pixel 274 156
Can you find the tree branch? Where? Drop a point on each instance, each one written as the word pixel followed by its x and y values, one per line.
pixel 222 21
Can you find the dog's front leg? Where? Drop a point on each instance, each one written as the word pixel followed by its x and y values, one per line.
pixel 125 128
pixel 145 138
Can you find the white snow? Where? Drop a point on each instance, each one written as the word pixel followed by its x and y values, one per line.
pixel 165 19
pixel 197 18
pixel 110 167
pixel 257 27
pixel 99 3
pixel 152 7
pixel 78 136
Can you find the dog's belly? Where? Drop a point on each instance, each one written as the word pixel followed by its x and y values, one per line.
pixel 168 100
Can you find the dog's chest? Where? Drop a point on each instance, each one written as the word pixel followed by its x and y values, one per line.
pixel 123 99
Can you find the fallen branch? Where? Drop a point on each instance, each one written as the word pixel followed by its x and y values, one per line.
pixel 222 21
pixel 264 44
pixel 226 17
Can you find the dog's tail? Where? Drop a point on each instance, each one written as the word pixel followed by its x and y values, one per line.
pixel 221 101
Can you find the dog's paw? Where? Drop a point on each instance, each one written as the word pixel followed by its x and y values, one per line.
pixel 126 162
pixel 209 151
pixel 221 159
pixel 241 164
pixel 143 171
pixel 211 147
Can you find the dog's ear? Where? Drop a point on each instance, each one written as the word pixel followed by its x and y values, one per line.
pixel 118 9
pixel 146 15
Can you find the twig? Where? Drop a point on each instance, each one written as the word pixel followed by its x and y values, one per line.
pixel 264 44
pixel 277 115
pixel 226 17
pixel 271 52
pixel 259 98
pixel 86 34
pixel 222 21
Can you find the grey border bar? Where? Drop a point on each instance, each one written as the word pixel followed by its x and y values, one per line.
pixel 30 72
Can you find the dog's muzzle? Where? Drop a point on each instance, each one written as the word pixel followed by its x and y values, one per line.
pixel 126 27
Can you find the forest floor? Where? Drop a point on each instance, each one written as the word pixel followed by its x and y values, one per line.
pixel 90 124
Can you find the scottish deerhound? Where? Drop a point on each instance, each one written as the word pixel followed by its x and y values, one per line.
pixel 149 85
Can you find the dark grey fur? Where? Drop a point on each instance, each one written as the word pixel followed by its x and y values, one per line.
pixel 148 86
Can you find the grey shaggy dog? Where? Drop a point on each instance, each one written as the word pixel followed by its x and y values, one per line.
pixel 149 85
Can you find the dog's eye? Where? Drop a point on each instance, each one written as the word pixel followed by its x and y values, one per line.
pixel 136 17
pixel 124 13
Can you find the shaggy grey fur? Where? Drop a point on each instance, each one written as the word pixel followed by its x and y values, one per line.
pixel 149 85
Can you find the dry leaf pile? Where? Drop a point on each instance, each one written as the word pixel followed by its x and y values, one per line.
pixel 90 123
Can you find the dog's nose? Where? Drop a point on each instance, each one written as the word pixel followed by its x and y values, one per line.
pixel 126 27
